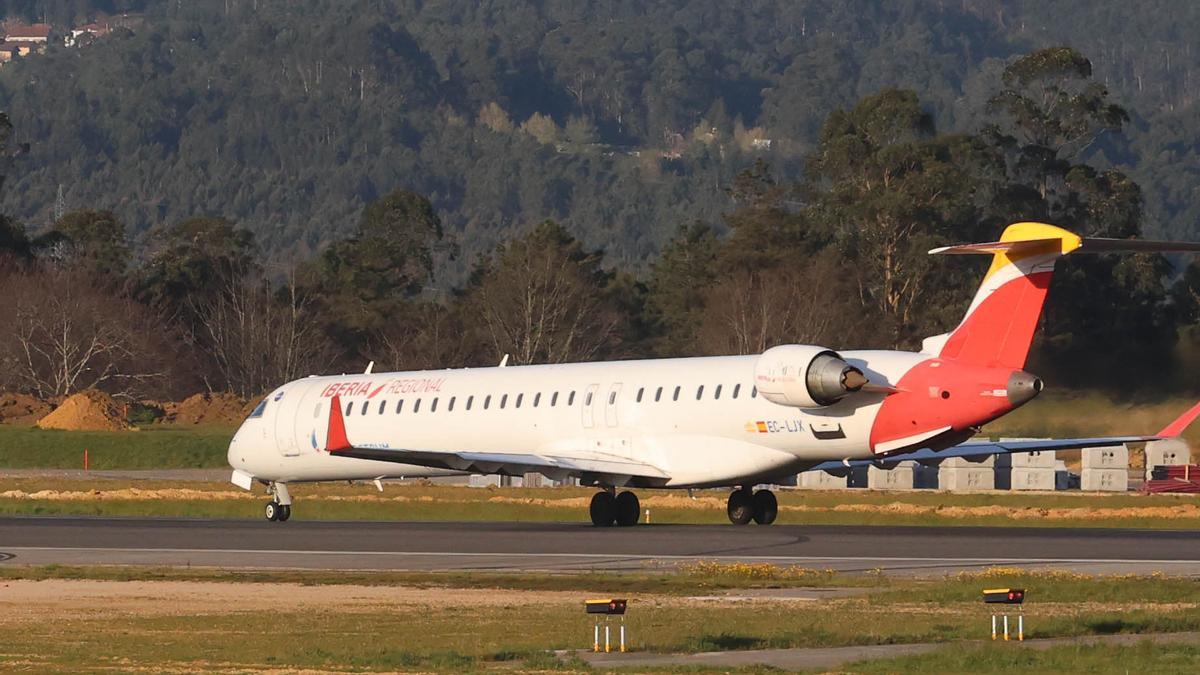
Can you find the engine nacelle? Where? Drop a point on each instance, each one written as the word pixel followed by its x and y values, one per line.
pixel 805 376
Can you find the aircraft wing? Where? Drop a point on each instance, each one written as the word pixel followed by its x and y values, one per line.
pixel 983 449
pixel 588 465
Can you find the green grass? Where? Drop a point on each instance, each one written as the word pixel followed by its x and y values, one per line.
pixel 687 580
pixel 1144 657
pixel 338 501
pixel 379 633
pixel 155 447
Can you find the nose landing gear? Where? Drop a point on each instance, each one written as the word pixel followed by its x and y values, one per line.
pixel 279 509
pixel 623 509
pixel 744 506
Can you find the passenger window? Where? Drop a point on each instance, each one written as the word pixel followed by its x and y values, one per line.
pixel 450 408
pixel 658 395
pixel 612 397
pixel 433 406
pixel 520 397
pixel 675 396
pixel 537 398
pixel 754 392
pixel 470 400
pixel 699 392
pixel 487 402
pixel 349 407
pixel 641 390
pixel 382 407
pixel 588 400
pixel 400 406
pixel 717 393
pixel 736 388
pixel 553 399
pixel 366 404
pixel 571 399
pixel 417 406
pixel 258 409
pixel 503 401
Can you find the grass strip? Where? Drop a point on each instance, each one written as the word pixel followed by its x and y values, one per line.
pixel 339 501
pixel 155 447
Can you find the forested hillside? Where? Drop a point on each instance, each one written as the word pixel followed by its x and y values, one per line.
pixel 284 188
pixel 622 120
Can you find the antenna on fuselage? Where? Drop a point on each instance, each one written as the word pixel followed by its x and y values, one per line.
pixel 370 367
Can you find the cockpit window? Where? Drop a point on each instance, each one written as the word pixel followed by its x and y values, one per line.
pixel 258 410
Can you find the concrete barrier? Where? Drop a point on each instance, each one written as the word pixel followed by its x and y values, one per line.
pixel 1107 457
pixel 1104 480
pixel 962 474
pixel 1025 470
pixel 1167 452
pixel 821 480
pixel 899 477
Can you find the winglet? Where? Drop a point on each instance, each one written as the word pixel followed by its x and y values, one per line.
pixel 335 437
pixel 1176 428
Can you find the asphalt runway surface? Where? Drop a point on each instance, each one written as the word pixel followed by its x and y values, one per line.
pixel 365 545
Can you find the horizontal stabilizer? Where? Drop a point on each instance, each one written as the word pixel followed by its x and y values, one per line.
pixel 1071 244
pixel 1101 245
pixel 991 247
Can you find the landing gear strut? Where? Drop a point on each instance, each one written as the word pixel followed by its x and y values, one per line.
pixel 744 506
pixel 279 509
pixel 606 509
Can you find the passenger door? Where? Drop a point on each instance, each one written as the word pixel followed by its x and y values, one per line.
pixel 287 406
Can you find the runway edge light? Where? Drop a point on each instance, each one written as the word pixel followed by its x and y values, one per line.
pixel 605 606
pixel 1004 596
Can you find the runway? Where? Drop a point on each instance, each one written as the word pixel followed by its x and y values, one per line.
pixel 363 545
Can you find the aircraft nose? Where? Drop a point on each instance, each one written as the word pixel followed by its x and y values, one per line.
pixel 236 456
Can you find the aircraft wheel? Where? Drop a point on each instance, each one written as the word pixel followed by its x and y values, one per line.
pixel 285 512
pixel 603 509
pixel 766 508
pixel 272 511
pixel 740 507
pixel 629 509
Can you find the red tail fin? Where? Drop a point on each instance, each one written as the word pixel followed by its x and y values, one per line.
pixel 998 328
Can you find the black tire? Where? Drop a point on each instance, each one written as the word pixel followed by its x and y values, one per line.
pixel 740 507
pixel 603 509
pixel 766 508
pixel 629 509
pixel 285 512
pixel 272 511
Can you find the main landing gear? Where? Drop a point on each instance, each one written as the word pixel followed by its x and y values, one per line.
pixel 608 508
pixel 279 508
pixel 744 506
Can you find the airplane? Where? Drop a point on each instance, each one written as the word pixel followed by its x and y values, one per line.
pixel 709 422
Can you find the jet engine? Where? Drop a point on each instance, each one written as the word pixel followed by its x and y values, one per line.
pixel 805 376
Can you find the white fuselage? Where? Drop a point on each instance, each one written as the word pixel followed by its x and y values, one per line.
pixel 699 420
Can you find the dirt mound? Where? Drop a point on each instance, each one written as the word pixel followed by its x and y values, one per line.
pixel 22 409
pixel 222 409
pixel 87 411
